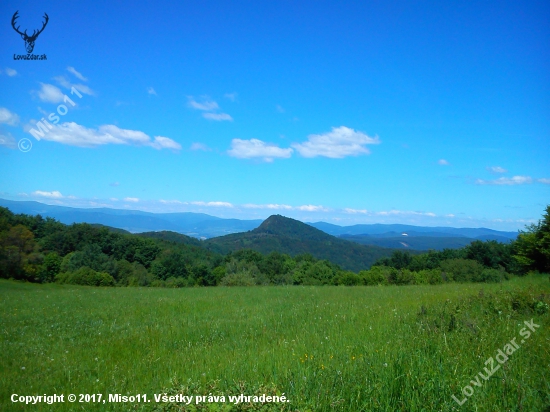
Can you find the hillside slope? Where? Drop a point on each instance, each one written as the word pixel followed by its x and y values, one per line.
pixel 286 235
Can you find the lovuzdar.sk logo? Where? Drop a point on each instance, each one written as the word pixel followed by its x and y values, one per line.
pixel 29 40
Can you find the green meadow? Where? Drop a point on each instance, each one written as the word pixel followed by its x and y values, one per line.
pixel 379 348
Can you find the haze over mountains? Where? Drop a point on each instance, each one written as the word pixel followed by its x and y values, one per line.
pixel 205 226
pixel 399 236
pixel 136 221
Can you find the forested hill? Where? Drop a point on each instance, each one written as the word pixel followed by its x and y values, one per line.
pixel 280 251
pixel 292 237
pixel 171 237
pixel 45 250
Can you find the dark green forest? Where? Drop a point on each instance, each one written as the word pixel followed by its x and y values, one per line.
pixel 292 237
pixel 42 250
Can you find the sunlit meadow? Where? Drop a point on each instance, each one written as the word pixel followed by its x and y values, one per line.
pixel 407 348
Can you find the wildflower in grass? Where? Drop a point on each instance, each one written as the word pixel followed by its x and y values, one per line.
pixel 22 368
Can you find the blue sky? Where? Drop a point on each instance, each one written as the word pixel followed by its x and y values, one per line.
pixel 427 113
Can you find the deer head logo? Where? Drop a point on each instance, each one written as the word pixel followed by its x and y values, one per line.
pixel 29 40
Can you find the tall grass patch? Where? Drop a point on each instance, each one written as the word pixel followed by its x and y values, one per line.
pixel 406 348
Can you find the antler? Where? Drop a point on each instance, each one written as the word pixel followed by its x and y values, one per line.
pixel 15 16
pixel 43 26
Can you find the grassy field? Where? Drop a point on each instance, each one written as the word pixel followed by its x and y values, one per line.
pixel 408 348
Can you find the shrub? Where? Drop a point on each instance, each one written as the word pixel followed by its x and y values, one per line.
pixel 244 270
pixel 140 276
pixel 377 275
pixel 462 270
pixel 348 279
pixel 86 276
pixel 218 273
pixel 50 267
pixel 431 276
pixel 405 277
pixel 173 282
pixel 321 272
pixel 238 279
pixel 492 275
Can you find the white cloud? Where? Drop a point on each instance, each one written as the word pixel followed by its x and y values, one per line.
pixel 167 202
pixel 496 169
pixel 280 109
pixel 50 93
pixel 76 74
pixel 516 180
pixel 200 146
pixel 336 144
pixel 267 206
pixel 404 213
pixel 214 204
pixel 211 107
pixel 131 199
pixel 231 96
pixel 8 117
pixel 355 211
pixel 7 140
pixel 64 82
pixel 11 72
pixel 113 199
pixel 165 143
pixel 443 162
pixel 254 148
pixel 150 90
pixel 74 134
pixel 544 180
pixel 217 116
pixel 52 195
pixel 206 104
pixel 312 208
pixel 44 112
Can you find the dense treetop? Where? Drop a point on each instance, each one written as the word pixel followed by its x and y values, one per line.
pixel 279 251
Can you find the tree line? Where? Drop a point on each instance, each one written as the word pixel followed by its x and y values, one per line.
pixel 38 249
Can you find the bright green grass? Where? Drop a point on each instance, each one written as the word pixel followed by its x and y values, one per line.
pixel 326 348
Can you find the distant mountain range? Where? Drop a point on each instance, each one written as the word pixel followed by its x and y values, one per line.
pixel 200 225
pixel 398 230
pixel 414 237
